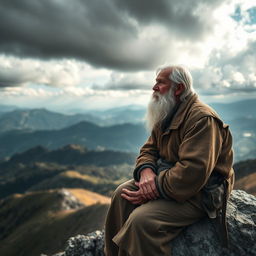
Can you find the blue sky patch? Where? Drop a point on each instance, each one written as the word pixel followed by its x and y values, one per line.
pixel 252 15
pixel 237 14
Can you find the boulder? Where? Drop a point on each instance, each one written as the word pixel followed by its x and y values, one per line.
pixel 200 239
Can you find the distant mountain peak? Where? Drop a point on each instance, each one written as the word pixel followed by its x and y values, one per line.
pixel 30 153
pixel 37 150
pixel 74 147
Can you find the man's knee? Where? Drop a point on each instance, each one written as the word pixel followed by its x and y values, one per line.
pixel 142 220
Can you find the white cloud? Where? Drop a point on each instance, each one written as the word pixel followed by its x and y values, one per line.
pixel 222 57
pixel 16 71
pixel 62 99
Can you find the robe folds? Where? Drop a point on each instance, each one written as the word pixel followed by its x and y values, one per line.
pixel 197 143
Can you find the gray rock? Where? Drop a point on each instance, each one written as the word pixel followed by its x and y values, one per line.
pixel 203 238
pixel 90 245
pixel 56 254
pixel 199 239
pixel 67 202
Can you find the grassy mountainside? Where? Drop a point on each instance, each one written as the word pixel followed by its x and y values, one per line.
pixel 245 173
pixel 41 222
pixel 40 176
pixel 87 197
pixel 247 183
pixel 42 218
pixel 74 179
pixel 245 168
pixel 72 166
pixel 72 154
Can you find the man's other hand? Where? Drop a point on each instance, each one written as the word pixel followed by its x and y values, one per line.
pixel 147 184
pixel 135 197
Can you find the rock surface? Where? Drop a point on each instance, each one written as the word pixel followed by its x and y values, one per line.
pixel 68 200
pixel 199 239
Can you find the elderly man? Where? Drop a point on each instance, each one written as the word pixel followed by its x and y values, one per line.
pixel 189 146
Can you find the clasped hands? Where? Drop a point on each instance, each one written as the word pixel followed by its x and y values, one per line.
pixel 147 188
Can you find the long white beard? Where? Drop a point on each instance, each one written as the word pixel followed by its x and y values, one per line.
pixel 158 108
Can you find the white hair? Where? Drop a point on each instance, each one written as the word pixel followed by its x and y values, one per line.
pixel 180 75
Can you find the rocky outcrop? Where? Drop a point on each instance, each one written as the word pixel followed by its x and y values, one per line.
pixel 199 239
pixel 68 201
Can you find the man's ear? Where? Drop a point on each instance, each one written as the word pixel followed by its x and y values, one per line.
pixel 179 89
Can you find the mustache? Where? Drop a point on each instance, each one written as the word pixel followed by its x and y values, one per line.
pixel 157 95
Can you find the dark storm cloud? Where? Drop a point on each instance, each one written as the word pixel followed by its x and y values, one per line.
pixel 184 17
pixel 12 79
pixel 50 29
pixel 102 33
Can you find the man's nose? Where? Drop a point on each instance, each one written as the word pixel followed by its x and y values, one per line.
pixel 155 87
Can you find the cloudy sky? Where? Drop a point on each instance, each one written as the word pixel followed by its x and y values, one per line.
pixel 63 54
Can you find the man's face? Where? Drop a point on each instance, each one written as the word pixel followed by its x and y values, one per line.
pixel 162 101
pixel 163 83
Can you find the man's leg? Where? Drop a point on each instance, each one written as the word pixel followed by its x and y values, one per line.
pixel 118 213
pixel 151 226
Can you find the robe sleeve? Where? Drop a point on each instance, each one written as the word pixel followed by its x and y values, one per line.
pixel 198 154
pixel 148 157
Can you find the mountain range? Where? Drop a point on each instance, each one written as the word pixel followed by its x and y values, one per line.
pixel 58 171
pixel 125 137
pixel 13 118
pixel 43 119
pixel 71 166
pixel 237 109
pixel 72 153
pixel 48 196
pixel 115 129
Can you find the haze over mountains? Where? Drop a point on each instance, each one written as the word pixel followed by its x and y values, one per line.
pixel 234 110
pixel 12 117
pixel 126 137
pixel 43 119
pixel 116 129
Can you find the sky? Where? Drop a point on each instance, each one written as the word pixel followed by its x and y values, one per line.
pixel 82 54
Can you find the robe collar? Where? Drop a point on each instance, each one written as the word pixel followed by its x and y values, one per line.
pixel 182 110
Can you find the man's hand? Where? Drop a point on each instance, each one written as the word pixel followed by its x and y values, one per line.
pixel 147 188
pixel 147 184
pixel 135 197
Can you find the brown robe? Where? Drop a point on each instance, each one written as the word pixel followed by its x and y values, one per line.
pixel 198 143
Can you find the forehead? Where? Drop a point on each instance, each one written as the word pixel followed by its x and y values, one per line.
pixel 164 74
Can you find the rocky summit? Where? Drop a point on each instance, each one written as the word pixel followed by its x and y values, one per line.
pixel 200 239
